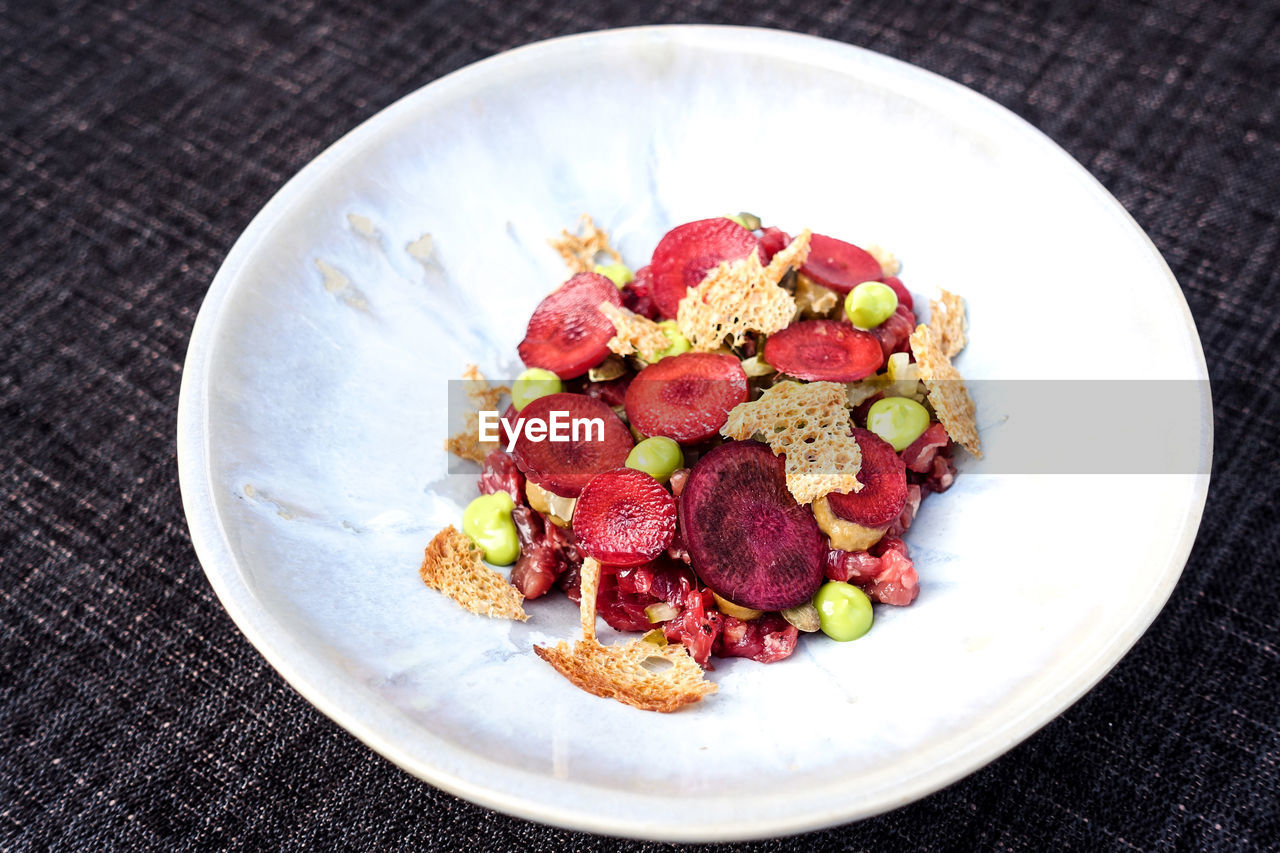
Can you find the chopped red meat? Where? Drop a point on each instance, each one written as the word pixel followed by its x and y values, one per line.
pixel 698 624
pixel 637 294
pixel 678 478
pixel 855 567
pixel 897 582
pixel 894 332
pixel 547 554
pixel 915 494
pixel 919 454
pixel 499 474
pixel 942 474
pixel 772 241
pixel 767 638
pixel 611 391
pixel 625 593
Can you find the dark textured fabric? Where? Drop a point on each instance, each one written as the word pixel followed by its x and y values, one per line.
pixel 137 139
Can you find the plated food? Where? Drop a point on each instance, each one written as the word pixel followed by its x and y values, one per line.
pixel 720 451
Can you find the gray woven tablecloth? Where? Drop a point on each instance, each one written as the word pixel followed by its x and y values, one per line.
pixel 137 139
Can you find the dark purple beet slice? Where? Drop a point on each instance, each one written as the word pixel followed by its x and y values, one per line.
pixel 884 484
pixel 747 537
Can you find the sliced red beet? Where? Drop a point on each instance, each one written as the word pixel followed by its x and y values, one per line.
pixel 839 265
pixel 824 350
pixel 904 295
pixel 686 397
pixel 688 252
pixel 884 484
pixel 564 467
pixel 624 517
pixel 747 537
pixel 567 334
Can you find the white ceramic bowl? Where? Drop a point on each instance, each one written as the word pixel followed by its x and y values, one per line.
pixel 311 423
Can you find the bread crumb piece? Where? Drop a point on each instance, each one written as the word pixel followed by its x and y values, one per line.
pixel 809 423
pixel 739 297
pixel 467 444
pixel 947 392
pixel 580 250
pixel 948 322
pixel 453 565
pixel 634 334
pixel 889 263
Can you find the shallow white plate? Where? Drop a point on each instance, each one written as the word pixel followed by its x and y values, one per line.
pixel 311 423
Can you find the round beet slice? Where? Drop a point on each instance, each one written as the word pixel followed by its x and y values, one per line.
pixel 624 517
pixel 688 252
pixel 884 484
pixel 747 537
pixel 839 265
pixel 564 467
pixel 824 350
pixel 567 334
pixel 686 397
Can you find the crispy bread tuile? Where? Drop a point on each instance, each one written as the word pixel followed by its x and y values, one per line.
pixel 947 392
pixel 634 334
pixel 741 296
pixel 466 444
pixel 452 565
pixel 580 249
pixel 948 322
pixel 620 672
pixel 809 423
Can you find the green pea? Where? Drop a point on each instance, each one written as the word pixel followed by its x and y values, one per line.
pixel 659 457
pixel 487 520
pixel 898 420
pixel 619 274
pixel 844 611
pixel 870 304
pixel 532 384
pixel 679 343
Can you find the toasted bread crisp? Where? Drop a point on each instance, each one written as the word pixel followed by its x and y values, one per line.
pixel 635 334
pixel 810 424
pixel 452 564
pixel 580 250
pixel 947 392
pixel 889 263
pixel 619 672
pixel 948 323
pixel 741 296
pixel 589 589
pixel 467 444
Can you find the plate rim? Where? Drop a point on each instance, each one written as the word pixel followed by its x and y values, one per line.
pixel 282 652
